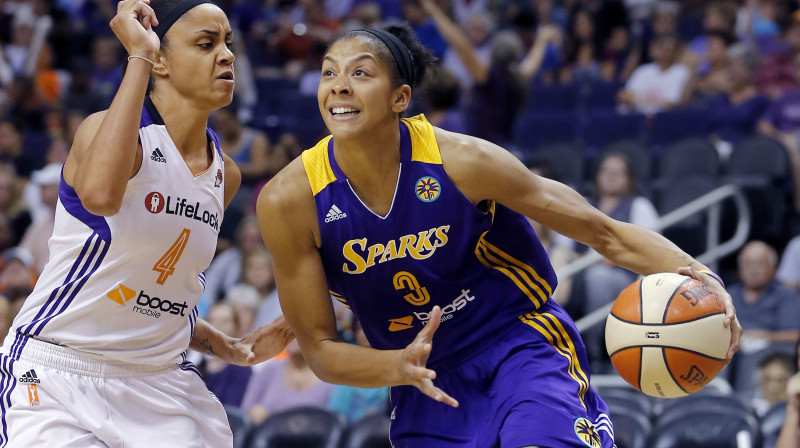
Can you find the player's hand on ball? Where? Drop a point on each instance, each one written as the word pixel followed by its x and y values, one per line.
pixel 730 311
pixel 415 357
pixel 133 26
pixel 263 343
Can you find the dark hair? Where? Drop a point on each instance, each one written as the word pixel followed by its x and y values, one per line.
pixel 628 170
pixel 162 8
pixel 780 357
pixel 544 167
pixel 669 35
pixel 443 91
pixel 573 44
pixel 724 36
pixel 421 56
pixel 796 365
pixel 727 9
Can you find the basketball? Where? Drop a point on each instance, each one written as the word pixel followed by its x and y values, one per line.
pixel 665 335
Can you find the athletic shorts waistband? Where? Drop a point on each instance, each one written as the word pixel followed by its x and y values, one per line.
pixel 86 364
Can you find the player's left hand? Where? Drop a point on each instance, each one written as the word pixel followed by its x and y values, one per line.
pixel 730 312
pixel 263 343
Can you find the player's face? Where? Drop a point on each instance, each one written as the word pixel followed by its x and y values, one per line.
pixel 199 59
pixel 355 90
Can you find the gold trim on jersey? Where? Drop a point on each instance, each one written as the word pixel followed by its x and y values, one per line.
pixel 339 298
pixel 423 149
pixel 556 334
pixel 523 275
pixel 318 166
pixel 423 142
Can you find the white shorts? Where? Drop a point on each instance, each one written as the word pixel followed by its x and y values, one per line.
pixel 54 396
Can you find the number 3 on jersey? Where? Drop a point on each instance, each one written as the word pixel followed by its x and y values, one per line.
pixel 165 265
pixel 419 294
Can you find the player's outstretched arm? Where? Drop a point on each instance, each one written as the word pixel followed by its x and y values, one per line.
pixel 105 150
pixel 482 170
pixel 790 432
pixel 263 343
pixel 288 222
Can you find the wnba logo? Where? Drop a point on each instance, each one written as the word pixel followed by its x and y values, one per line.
pixel 154 202
pixel 427 189
pixel 587 432
pixel 31 380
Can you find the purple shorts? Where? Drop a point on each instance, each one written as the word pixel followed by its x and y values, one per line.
pixel 528 387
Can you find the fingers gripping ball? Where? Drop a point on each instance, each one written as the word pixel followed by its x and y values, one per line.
pixel 665 335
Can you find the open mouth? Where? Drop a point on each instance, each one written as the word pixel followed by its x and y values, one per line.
pixel 226 76
pixel 344 112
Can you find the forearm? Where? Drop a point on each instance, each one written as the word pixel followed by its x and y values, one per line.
pixel 790 432
pixel 108 161
pixel 460 44
pixel 208 340
pixel 338 362
pixel 449 30
pixel 533 60
pixel 642 250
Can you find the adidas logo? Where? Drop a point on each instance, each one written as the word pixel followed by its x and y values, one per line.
pixel 29 377
pixel 158 156
pixel 334 213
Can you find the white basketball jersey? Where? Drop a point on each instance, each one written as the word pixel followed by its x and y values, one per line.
pixel 127 286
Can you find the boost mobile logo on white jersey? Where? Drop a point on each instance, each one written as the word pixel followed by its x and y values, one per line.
pixel 156 202
pixel 148 305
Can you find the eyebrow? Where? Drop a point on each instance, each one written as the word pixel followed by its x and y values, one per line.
pixel 358 58
pixel 214 33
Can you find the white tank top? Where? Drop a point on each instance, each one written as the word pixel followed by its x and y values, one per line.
pixel 127 286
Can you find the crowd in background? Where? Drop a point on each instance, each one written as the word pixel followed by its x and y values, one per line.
pixel 733 67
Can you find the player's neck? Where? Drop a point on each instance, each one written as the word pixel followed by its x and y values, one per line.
pixel 372 166
pixel 373 155
pixel 185 122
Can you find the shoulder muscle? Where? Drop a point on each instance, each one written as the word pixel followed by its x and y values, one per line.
pixel 286 207
pixel 480 169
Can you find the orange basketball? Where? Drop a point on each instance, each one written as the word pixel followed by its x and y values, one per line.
pixel 665 335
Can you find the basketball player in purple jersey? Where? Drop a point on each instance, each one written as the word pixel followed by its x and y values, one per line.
pixel 418 229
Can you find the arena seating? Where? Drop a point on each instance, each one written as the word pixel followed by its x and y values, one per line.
pixel 303 427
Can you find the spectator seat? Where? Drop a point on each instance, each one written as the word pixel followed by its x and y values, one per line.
pixel 302 427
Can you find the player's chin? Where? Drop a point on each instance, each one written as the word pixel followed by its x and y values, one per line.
pixel 342 130
pixel 221 98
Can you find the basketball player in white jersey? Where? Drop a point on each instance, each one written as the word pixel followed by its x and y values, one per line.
pixel 96 356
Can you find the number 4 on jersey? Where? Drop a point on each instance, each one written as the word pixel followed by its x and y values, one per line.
pixel 165 265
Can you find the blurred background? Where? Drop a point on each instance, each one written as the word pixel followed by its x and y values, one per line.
pixel 681 116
